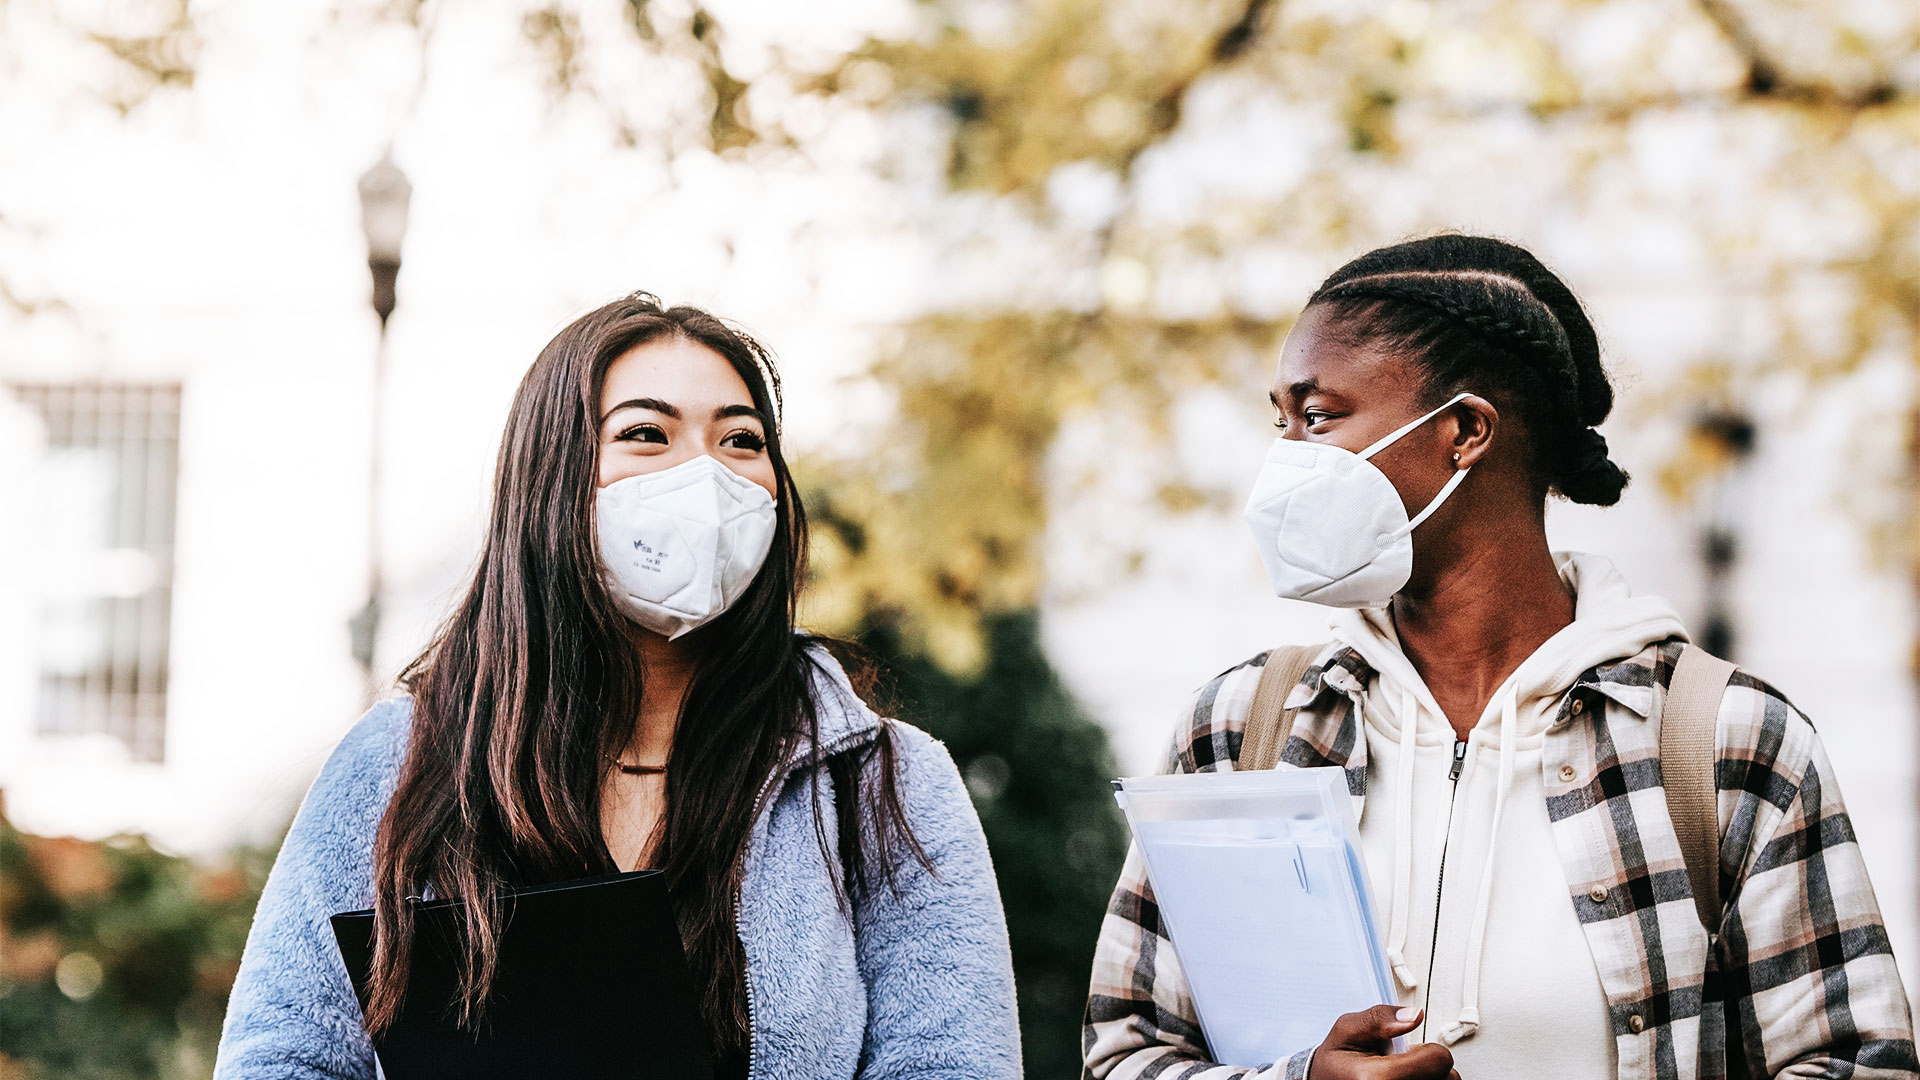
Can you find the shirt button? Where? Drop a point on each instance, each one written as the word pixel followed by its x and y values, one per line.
pixel 1567 774
pixel 1579 706
pixel 1597 894
pixel 1636 1023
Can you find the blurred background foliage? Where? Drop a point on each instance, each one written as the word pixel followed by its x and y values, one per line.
pixel 1037 767
pixel 115 959
pixel 1049 126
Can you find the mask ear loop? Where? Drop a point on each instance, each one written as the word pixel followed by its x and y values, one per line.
pixel 1452 482
pixel 1395 435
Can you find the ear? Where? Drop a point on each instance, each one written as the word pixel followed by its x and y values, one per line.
pixel 1470 426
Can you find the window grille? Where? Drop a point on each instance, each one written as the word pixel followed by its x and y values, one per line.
pixel 102 506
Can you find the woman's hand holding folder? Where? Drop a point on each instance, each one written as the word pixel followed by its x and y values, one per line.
pixel 1360 1044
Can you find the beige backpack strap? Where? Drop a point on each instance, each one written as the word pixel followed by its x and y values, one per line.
pixel 1688 722
pixel 1269 721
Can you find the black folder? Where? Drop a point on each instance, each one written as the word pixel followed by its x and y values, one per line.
pixel 592 985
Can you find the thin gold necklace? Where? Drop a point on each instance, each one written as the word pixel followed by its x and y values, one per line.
pixel 636 770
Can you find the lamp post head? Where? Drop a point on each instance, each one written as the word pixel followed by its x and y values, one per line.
pixel 384 195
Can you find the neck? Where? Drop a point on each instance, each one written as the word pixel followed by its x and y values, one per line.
pixel 1469 629
pixel 667 669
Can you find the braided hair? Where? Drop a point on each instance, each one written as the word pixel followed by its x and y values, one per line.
pixel 1482 315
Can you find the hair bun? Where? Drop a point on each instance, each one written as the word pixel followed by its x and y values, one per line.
pixel 1589 450
pixel 1590 476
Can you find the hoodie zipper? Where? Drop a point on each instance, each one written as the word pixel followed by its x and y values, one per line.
pixel 1440 885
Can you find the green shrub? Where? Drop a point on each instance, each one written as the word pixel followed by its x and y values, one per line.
pixel 1039 770
pixel 116 958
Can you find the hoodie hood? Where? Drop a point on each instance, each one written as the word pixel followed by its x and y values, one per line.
pixel 1609 623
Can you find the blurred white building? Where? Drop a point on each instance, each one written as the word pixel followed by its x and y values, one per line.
pixel 184 434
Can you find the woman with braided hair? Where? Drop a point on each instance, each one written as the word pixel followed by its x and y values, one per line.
pixel 1570 888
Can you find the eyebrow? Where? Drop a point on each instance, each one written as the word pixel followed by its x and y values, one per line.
pixel 665 409
pixel 1296 391
pixel 726 411
pixel 654 404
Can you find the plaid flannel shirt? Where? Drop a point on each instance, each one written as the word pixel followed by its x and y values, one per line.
pixel 1800 980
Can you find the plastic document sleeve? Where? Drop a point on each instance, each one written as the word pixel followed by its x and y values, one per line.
pixel 1261 885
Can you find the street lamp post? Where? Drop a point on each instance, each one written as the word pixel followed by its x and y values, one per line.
pixel 384 195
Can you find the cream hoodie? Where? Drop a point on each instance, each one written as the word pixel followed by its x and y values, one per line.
pixel 1506 976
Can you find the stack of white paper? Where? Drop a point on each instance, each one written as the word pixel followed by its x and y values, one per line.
pixel 1259 880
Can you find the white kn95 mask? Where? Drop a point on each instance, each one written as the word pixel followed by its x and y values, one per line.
pixel 679 546
pixel 1329 524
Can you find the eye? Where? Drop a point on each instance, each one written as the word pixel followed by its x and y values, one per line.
pixel 745 440
pixel 1315 416
pixel 649 433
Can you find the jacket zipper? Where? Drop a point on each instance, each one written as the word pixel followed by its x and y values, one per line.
pixel 753 1014
pixel 740 928
pixel 779 773
pixel 1440 886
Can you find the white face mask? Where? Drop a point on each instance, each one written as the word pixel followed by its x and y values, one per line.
pixel 1329 524
pixel 679 546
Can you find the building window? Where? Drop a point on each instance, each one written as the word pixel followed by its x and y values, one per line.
pixel 102 508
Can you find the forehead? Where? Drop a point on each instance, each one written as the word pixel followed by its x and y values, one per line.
pixel 674 370
pixel 1318 355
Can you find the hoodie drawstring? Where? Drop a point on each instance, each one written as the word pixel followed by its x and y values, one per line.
pixel 1469 1020
pixel 1403 844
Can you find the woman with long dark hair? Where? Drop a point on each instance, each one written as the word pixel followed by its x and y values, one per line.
pixel 623 686
pixel 1600 853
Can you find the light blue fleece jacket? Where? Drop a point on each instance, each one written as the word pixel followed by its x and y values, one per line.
pixel 918 984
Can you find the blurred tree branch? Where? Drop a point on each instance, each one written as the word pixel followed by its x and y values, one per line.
pixel 1766 78
pixel 154 46
pixel 162 54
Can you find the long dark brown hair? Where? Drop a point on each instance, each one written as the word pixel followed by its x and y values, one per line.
pixel 534 681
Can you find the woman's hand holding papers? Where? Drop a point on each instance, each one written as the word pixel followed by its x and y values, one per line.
pixel 1358 1048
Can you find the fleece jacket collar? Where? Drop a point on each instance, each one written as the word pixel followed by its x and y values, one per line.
pixel 844 720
